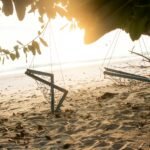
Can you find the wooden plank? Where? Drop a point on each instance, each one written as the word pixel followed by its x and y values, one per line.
pixel 45 82
pixel 65 92
pixel 127 76
pixel 39 72
pixel 122 72
pixel 61 101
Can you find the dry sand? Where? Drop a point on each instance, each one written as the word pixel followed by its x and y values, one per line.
pixel 96 115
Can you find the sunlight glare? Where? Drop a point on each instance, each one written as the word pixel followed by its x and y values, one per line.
pixel 65 40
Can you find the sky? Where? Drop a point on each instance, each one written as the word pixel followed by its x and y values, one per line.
pixel 66 45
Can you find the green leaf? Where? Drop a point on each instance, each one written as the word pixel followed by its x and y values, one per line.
pixel 137 28
pixel 17 54
pixel 20 43
pixel 32 49
pixel 43 42
pixel 25 50
pixel 3 60
pixel 36 46
pixel 39 32
pixel 16 48
pixel 41 19
pixel 42 27
pixel 12 56
pixel 5 51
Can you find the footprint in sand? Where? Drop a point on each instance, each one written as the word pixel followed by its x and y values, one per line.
pixel 110 127
pixel 88 141
pixel 118 145
pixel 66 146
pixel 147 98
pixel 124 95
pixel 102 144
pixel 107 95
pixel 127 128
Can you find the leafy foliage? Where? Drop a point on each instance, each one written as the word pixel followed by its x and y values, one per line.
pixel 33 47
pixel 44 7
pixel 43 42
pixel 96 16
pixel 99 17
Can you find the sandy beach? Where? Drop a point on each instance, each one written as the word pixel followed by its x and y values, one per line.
pixel 98 114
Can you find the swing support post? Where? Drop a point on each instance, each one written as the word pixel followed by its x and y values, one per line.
pixel 32 73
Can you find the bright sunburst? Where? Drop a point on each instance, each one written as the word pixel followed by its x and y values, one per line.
pixel 65 39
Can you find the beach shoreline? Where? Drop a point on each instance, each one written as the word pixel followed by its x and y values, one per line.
pixel 97 113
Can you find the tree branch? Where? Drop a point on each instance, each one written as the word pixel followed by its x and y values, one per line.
pixel 148 59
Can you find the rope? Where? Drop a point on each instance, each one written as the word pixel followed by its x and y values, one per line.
pixel 141 50
pixel 32 62
pixel 114 42
pixel 50 49
pixel 57 53
pixel 117 38
pixel 45 90
pixel 141 47
pixel 145 46
pixel 109 49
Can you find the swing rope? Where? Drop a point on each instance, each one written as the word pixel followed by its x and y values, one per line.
pixel 118 73
pixel 114 47
pixel 114 74
pixel 146 49
pixel 57 53
pixel 47 86
pixel 110 48
pixel 109 51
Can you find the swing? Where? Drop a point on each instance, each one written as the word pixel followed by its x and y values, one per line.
pixel 33 74
pixel 38 76
pixel 122 74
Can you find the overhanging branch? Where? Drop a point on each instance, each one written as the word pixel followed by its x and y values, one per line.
pixel 147 59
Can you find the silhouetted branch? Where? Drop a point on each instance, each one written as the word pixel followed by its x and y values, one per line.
pixel 148 59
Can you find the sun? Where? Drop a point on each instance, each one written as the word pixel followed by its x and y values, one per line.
pixel 66 38
pixel 67 32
